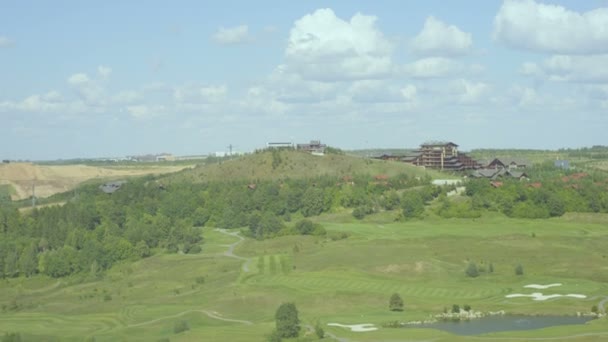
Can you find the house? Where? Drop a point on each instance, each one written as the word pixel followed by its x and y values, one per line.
pixel 499 173
pixel 441 155
pixel 508 163
pixel 388 156
pixel 165 157
pixel 279 145
pixel 314 147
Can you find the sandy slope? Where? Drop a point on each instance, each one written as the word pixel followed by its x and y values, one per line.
pixel 59 178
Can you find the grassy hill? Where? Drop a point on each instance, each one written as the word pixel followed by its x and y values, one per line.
pixel 294 164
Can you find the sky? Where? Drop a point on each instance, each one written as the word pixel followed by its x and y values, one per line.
pixel 83 79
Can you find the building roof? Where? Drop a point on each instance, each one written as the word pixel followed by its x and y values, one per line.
pixel 517 174
pixel 437 143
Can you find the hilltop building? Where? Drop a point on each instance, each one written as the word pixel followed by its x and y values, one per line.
pixel 441 155
pixel 279 145
pixel 314 147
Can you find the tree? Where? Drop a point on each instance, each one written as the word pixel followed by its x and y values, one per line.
pixel 319 331
pixel 395 303
pixel 519 270
pixel 287 321
pixel 305 227
pixel 472 270
pixel 455 308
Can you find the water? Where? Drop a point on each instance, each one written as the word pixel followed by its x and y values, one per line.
pixel 502 323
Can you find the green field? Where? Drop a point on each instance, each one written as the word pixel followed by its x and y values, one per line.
pixel 345 281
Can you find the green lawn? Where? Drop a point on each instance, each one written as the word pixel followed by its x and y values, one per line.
pixel 345 281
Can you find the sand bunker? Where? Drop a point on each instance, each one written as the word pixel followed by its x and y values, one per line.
pixel 542 287
pixel 540 297
pixel 355 327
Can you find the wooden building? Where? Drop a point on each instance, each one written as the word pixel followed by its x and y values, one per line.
pixel 441 155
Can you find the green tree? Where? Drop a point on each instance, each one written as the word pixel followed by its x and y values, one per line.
pixel 305 227
pixel 319 330
pixel 313 202
pixel 395 303
pixel 28 261
pixel 472 270
pixel 287 321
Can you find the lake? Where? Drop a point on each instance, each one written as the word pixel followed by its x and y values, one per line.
pixel 502 323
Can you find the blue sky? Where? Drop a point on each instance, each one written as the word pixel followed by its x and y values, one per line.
pixel 92 79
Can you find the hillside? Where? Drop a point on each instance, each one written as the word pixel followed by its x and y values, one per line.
pixel 18 178
pixel 294 164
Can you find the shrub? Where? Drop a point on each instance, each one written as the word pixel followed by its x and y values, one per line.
pixel 319 331
pixel 471 270
pixel 395 303
pixel 195 249
pixel 180 326
pixel 11 337
pixel 519 270
pixel 594 309
pixel 467 307
pixel 274 337
pixel 200 280
pixel 455 308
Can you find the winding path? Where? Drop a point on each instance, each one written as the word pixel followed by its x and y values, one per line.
pixel 211 314
pixel 230 252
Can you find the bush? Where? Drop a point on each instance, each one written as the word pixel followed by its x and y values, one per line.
pixel 200 280
pixel 594 309
pixel 11 337
pixel 180 326
pixel 519 270
pixel 467 307
pixel 274 337
pixel 195 249
pixel 395 303
pixel 455 308
pixel 471 270
pixel 319 331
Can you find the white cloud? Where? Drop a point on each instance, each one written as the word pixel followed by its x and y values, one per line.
pixel 142 112
pixel 435 67
pixel 126 97
pixel 563 68
pixel 324 47
pixel 440 39
pixel 528 25
pixel 5 42
pixel 50 102
pixel 104 71
pixel 232 35
pixel 200 94
pixel 79 79
pixel 409 93
pixel 470 92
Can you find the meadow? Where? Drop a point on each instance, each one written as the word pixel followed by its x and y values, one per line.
pixel 346 277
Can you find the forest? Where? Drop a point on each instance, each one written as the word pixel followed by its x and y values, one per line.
pixel 148 215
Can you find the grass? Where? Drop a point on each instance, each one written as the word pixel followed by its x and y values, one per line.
pixel 346 281
pixel 295 164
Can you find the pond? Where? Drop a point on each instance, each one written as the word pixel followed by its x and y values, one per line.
pixel 502 323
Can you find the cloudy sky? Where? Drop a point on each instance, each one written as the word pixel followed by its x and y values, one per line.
pixel 113 78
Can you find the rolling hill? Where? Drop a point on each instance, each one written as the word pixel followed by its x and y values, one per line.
pixel 294 164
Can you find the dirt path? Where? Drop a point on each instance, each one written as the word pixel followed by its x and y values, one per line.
pixel 211 314
pixel 230 252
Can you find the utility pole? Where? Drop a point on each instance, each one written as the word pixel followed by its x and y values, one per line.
pixel 230 149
